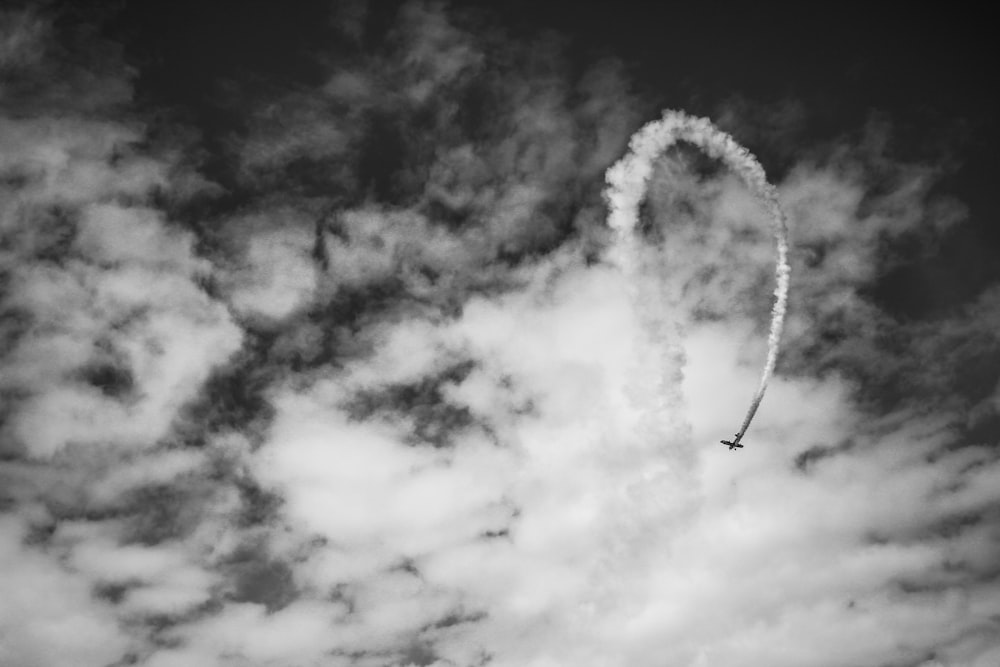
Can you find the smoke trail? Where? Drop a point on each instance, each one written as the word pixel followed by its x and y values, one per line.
pixel 627 181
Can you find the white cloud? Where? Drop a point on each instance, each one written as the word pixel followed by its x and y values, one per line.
pixel 47 616
pixel 299 632
pixel 162 580
pixel 281 277
pixel 167 333
pixel 127 287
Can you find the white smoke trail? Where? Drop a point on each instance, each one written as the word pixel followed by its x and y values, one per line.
pixel 627 181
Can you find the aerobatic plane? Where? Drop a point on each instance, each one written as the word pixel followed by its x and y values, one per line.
pixel 735 443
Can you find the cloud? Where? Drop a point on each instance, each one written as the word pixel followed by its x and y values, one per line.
pixel 48 616
pixel 375 393
pixel 141 338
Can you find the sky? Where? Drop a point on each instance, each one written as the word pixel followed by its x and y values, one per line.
pixel 317 348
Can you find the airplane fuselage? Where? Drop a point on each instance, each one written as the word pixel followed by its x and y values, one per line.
pixel 733 444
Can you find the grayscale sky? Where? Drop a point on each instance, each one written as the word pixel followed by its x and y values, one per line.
pixel 315 348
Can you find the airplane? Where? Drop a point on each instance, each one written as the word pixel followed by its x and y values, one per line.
pixel 735 443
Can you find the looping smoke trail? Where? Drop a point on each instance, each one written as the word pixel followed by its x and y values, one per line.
pixel 627 181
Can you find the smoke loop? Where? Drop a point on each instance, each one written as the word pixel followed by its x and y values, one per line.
pixel 627 181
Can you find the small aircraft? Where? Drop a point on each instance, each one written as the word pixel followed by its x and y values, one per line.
pixel 735 443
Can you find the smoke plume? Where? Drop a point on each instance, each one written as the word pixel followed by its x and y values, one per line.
pixel 627 181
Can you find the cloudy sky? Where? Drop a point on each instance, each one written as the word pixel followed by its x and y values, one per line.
pixel 316 350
